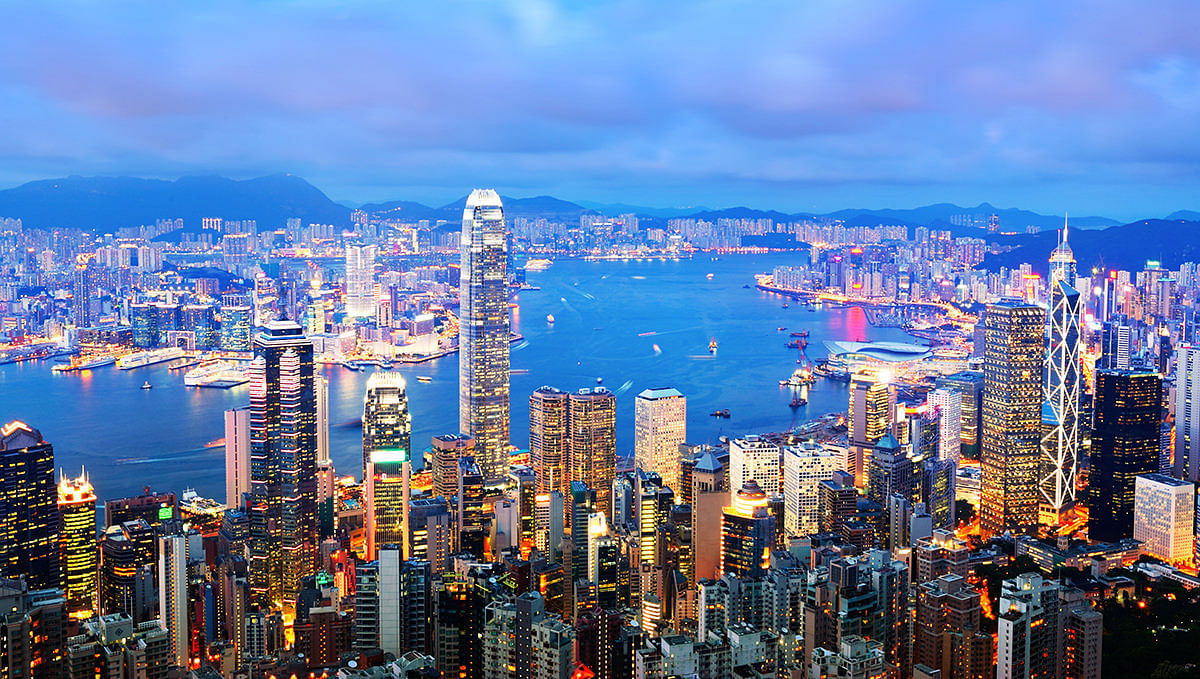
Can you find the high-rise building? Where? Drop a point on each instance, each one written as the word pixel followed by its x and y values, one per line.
pixel 805 466
pixel 549 438
pixel 592 451
pixel 77 542
pixel 1125 442
pixel 1187 412
pixel 35 627
pixel 429 532
pixel 84 303
pixel 856 658
pixel 753 458
pixel 236 325
pixel 321 396
pixel 173 594
pixel 127 570
pixel 945 606
pixel 28 507
pixel 447 450
pixel 472 527
pixel 659 428
pixel 1164 516
pixel 869 417
pixel 1061 383
pixel 747 533
pixel 387 445
pixel 110 646
pixel 360 280
pixel 970 384
pixel 1116 345
pixel 947 404
pixel 283 463
pixel 483 341
pixel 398 595
pixel 1027 641
pixel 237 456
pixel 1012 408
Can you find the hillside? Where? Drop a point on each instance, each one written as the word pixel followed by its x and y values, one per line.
pixel 1128 247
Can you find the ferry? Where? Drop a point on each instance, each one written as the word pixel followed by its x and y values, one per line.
pixel 141 359
pixel 200 374
pixel 85 363
pixel 538 264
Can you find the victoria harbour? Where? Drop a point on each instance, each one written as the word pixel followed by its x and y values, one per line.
pixel 608 321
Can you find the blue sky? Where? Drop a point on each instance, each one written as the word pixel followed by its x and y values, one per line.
pixel 1091 108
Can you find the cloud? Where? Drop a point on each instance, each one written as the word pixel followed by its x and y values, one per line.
pixel 781 103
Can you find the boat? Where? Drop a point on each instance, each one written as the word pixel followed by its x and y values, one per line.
pixel 712 345
pixel 799 378
pixel 85 363
pixel 784 306
pixel 538 264
pixel 142 359
pixel 781 328
pixel 424 378
pixel 798 401
pixel 720 413
pixel 599 380
pixel 147 385
pixel 351 365
pixel 746 287
pixel 802 333
pixel 710 277
pixel 196 376
pixel 550 318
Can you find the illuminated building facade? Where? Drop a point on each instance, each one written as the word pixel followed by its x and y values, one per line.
pixel 360 280
pixel 483 341
pixel 77 540
pixel 1163 519
pixel 1012 403
pixel 659 428
pixel 1061 383
pixel 28 507
pixel 1125 445
pixel 747 534
pixel 447 450
pixel 387 444
pixel 549 438
pixel 592 452
pixel 283 463
pixel 868 418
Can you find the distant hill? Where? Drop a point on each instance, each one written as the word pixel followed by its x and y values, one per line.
pixel 1127 247
pixel 939 215
pixel 108 203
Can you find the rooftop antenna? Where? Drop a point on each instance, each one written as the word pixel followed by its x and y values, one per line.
pixel 1064 238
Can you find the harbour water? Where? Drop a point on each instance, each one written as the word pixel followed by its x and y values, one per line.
pixel 635 325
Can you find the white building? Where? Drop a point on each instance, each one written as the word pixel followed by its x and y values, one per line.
pixel 237 456
pixel 804 467
pixel 360 280
pixel 751 457
pixel 1163 513
pixel 948 404
pixel 1187 413
pixel 659 428
pixel 173 594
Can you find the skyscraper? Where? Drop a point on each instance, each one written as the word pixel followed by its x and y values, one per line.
pixel 237 456
pixel 1187 413
pixel 805 466
pixel 592 452
pixel 869 417
pixel 77 540
pixel 753 458
pixel 549 438
pixel 28 507
pixel 1127 406
pixel 1012 399
pixel 448 449
pixel 948 405
pixel 387 445
pixel 360 280
pixel 173 594
pixel 659 427
pixel 283 463
pixel 1164 514
pixel 747 534
pixel 1061 382
pixel 483 338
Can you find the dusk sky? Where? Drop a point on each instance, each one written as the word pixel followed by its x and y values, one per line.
pixel 1091 108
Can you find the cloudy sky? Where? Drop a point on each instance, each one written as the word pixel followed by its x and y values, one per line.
pixel 1092 108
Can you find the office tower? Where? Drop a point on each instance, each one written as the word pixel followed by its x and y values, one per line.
pixel 837 501
pixel 549 438
pixel 117 647
pixel 582 506
pixel 429 532
pixel 321 396
pixel 868 418
pixel 752 458
pixel 1127 411
pixel 592 450
pixel 548 518
pixel 28 507
pixel 84 291
pixel 127 570
pixel 264 634
pixel 652 509
pixel 366 603
pixel 283 463
pixel 202 320
pixel 1027 642
pixel 35 625
pixel 890 473
pixel 472 525
pixel 237 456
pixel 483 339
pixel 523 482
pixel 944 606
pixel 805 466
pixel 77 542
pixel 659 428
pixel 447 450
pixel 970 384
pixel 1187 413
pixel 152 507
pixel 1163 517
pixel 604 564
pixel 947 404
pixel 1116 344
pixel 855 658
pixel 747 533
pixel 1012 409
pixel 709 498
pixel 937 488
pixel 1061 383
pixel 236 325
pixel 387 445
pixel 173 594
pixel 360 280
pixel 404 591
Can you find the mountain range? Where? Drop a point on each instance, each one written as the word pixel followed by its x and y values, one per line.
pixel 108 203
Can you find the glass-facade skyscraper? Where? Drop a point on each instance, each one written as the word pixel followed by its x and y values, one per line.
pixel 28 507
pixel 360 280
pixel 283 463
pixel 1061 382
pixel 1125 441
pixel 1014 354
pixel 387 450
pixel 483 341
pixel 77 542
